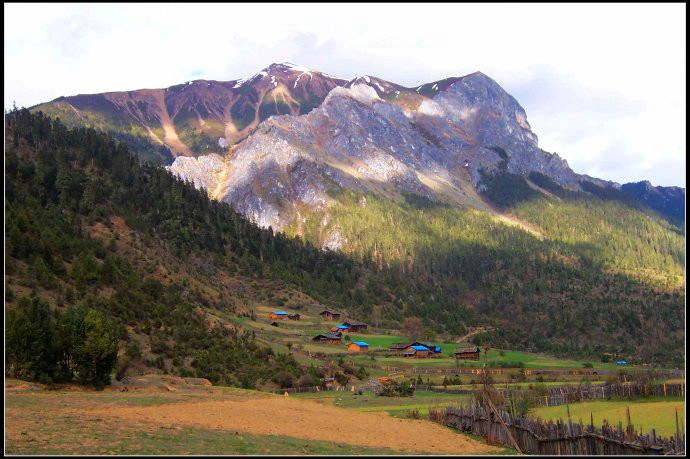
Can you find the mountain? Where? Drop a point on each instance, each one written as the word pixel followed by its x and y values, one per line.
pixel 433 202
pixel 87 224
pixel 439 140
pixel 195 117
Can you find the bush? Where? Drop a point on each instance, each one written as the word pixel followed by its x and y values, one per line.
pixel 412 414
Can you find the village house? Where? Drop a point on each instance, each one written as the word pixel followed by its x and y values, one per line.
pixel 416 351
pixel 294 316
pixel 358 346
pixel 469 353
pixel 329 314
pixel 340 328
pixel 278 314
pixel 401 347
pixel 328 337
pixel 355 326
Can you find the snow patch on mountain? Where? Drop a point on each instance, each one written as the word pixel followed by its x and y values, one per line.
pixel 360 92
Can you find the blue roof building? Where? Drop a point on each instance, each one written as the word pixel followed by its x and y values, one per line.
pixel 360 343
pixel 420 348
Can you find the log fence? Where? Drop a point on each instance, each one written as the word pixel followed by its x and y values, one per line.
pixel 534 436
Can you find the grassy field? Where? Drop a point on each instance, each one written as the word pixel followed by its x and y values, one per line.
pixel 522 385
pixel 650 413
pixel 213 420
pixel 396 406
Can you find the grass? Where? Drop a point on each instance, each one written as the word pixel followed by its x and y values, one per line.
pixel 396 406
pixel 649 413
pixel 73 423
pixel 494 359
pixel 522 385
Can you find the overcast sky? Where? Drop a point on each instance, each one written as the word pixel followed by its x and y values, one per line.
pixel 602 85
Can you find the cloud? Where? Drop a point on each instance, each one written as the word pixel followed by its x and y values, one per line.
pixel 596 81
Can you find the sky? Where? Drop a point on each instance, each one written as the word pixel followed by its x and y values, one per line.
pixel 603 85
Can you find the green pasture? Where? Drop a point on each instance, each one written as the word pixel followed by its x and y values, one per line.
pixel 658 413
pixel 422 400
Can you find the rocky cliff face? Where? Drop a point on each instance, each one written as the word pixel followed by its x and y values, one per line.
pixel 274 143
pixel 436 140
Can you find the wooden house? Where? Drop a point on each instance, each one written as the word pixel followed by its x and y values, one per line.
pixel 340 328
pixel 416 351
pixel 278 315
pixel 355 326
pixel 469 353
pixel 330 314
pixel 294 316
pixel 402 347
pixel 328 338
pixel 358 346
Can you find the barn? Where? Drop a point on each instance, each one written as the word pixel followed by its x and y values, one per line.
pixel 330 314
pixel 468 353
pixel 328 338
pixel 355 326
pixel 358 346
pixel 416 351
pixel 278 314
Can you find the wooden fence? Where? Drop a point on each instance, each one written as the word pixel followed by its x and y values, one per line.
pixel 534 436
pixel 569 394
pixel 527 371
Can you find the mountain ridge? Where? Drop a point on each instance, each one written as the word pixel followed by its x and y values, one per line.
pixel 463 129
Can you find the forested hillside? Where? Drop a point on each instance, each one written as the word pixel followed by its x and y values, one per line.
pixel 593 277
pixel 452 267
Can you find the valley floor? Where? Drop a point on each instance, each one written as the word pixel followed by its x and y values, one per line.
pixel 210 420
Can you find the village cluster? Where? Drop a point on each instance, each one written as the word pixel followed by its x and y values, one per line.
pixel 414 349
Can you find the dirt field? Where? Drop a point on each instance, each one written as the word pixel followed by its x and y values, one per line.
pixel 210 420
pixel 309 420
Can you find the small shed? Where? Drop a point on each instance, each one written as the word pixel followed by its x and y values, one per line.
pixel 330 314
pixel 294 316
pixel 275 324
pixel 328 338
pixel 358 346
pixel 328 382
pixel 278 314
pixel 355 326
pixel 417 351
pixel 468 353
pixel 621 362
pixel 340 328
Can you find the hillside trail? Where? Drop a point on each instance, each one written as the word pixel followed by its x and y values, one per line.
pixel 466 337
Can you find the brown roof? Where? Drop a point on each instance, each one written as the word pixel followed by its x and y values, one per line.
pixel 353 322
pixel 330 311
pixel 329 335
pixel 401 345
pixel 467 350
